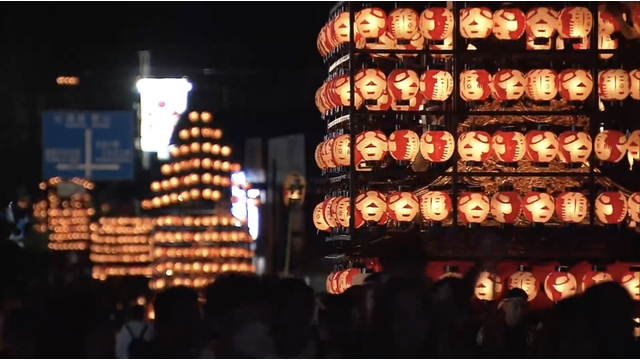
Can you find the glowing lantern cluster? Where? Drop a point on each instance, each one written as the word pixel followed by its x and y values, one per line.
pixel 336 33
pixel 437 145
pixel 339 281
pixel 435 205
pixel 614 84
pixel 436 23
pixel 509 24
pixel 560 284
pixel 335 94
pixel 473 207
pixel 575 22
pixel 334 212
pixel 538 207
pixel 476 22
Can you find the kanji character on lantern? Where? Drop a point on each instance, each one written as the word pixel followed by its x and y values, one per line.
pixel 488 286
pixel 403 84
pixel 403 206
pixel 318 218
pixel 437 145
pixel 541 22
pixel 327 204
pixel 474 146
pixel 404 145
pixel 317 154
pixel 436 85
pixel 475 85
pixel 508 146
pixel 436 23
pixel 476 22
pixel 574 147
pixel 506 206
pixel 575 84
pixel 342 92
pixel 341 150
pixel 631 281
pixel 370 83
pixel 633 207
pixel 560 284
pixel 611 207
pixel 508 84
pixel 403 23
pixel 575 22
pixel 435 205
pixel 371 22
pixel 606 42
pixel 327 153
pixel 542 146
pixel 541 84
pixel 508 24
pixel 572 207
pixel 597 275
pixel 633 147
pixel 473 207
pixel 343 213
pixel 341 29
pixel 415 43
pixel 524 279
pixel 372 205
pixel 634 88
pixel 613 84
pixel 412 104
pixel 370 146
pixel 321 41
pixel 607 23
pixel 610 145
pixel 538 207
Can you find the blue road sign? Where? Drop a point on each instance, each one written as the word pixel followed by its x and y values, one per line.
pixel 95 145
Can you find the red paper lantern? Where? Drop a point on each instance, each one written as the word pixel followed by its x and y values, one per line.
pixel 633 147
pixel 560 284
pixel 575 84
pixel 506 206
pixel 384 102
pixel 341 150
pixel 403 206
pixel 473 207
pixel 403 23
pixel 436 85
pixel 476 22
pixel 403 84
pixel 345 279
pixel 474 146
pixel 317 154
pixel 574 147
pixel 370 146
pixel 329 283
pixel 607 23
pixel 370 83
pixel 633 207
pixel 318 219
pixel 372 205
pixel 509 24
pixel 404 145
pixel 488 286
pixel 436 23
pixel 327 153
pixel 343 213
pixel 415 43
pixel 435 205
pixel 335 284
pixel 475 85
pixel 327 205
pixel 412 104
pixel 610 145
pixel 538 207
pixel 575 22
pixel 611 207
pixel 572 207
pixel 542 146
pixel 508 84
pixel 341 29
pixel 371 22
pixel 614 84
pixel 541 84
pixel 631 281
pixel 525 280
pixel 437 145
pixel 595 276
pixel 542 22
pixel 319 101
pixel 342 93
pixel 321 42
pixel 634 88
pixel 508 146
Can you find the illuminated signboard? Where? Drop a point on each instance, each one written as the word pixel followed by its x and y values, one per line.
pixel 161 103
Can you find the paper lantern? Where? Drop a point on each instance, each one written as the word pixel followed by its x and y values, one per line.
pixel 542 146
pixel 633 147
pixel 607 23
pixel 371 146
pixel 403 84
pixel 345 279
pixel 509 24
pixel 327 205
pixel 386 41
pixel 327 153
pixel 370 83
pixel 341 28
pixel 335 285
pixel 631 281
pixel 404 145
pixel 475 85
pixel 506 206
pixel 541 22
pixel 611 207
pixel 403 206
pixel 596 276
pixel 321 41
pixel 437 145
pixel 488 286
pixel 541 84
pixel 574 147
pixel 605 42
pixel 383 103
pixel 575 84
pixel 341 150
pixel 560 284
pixel 572 207
pixel 538 207
pixel 476 22
pixel 634 88
pixel 317 154
pixel 575 22
pixel 436 85
pixel 402 23
pixel 508 146
pixel 435 205
pixel 447 44
pixel 614 84
pixel 633 207
pixel 524 279
pixel 318 218
pixel 473 207
pixel 531 44
pixel 412 104
pixel 372 205
pixel 319 101
pixel 436 23
pixel 508 84
pixel 371 23
pixel 343 213
pixel 610 145
pixel 474 146
pixel 416 43
pixel 328 282
pixel 342 92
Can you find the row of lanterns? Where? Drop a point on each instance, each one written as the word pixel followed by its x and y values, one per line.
pixel 474 207
pixel 507 146
pixel 407 29
pixel 339 281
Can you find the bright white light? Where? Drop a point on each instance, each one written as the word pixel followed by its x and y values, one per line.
pixel 169 272
pixel 253 219
pixel 239 178
pixel 239 208
pixel 161 103
pixel 253 193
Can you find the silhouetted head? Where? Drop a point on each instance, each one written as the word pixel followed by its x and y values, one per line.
pixel 136 312
pixel 176 308
pixel 232 290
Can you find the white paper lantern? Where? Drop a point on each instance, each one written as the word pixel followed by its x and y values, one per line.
pixel 436 85
pixel 614 84
pixel 509 24
pixel 541 84
pixel 508 84
pixel 575 22
pixel 436 23
pixel 575 84
pixel 634 88
pixel 476 22
pixel 541 22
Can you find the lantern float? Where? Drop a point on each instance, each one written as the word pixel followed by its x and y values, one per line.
pixel 488 286
pixel 436 85
pixel 538 206
pixel 436 23
pixel 597 275
pixel 506 206
pixel 437 145
pixel 610 145
pixel 541 24
pixel 372 205
pixel 575 22
pixel 318 218
pixel 575 84
pixel 574 147
pixel 370 146
pixel 475 85
pixel 572 207
pixel 631 281
pixel 371 23
pixel 474 146
pixel 403 206
pixel 633 147
pixel 541 84
pixel 403 84
pixel 403 23
pixel 435 205
pixel 611 207
pixel 633 207
pixel 404 145
pixel 634 85
pixel 341 150
pixel 508 146
pixel 560 284
pixel 613 84
pixel 508 85
pixel 542 146
pixel 509 24
pixel 476 22
pixel 370 83
pixel 524 279
pixel 473 207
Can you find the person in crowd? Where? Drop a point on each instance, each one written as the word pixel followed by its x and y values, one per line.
pixel 134 334
pixel 18 331
pixel 505 334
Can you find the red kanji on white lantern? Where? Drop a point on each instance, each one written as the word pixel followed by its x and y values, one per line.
pixel 403 84
pixel 475 85
pixel 607 23
pixel 575 22
pixel 437 145
pixel 633 146
pixel 559 285
pixel 404 145
pixel 605 42
pixel 575 84
pixel 327 205
pixel 341 150
pixel 541 22
pixel 435 205
pixel 506 206
pixel 633 207
pixel 525 280
pixel 370 83
pixel 509 24
pixel 508 84
pixel 372 205
pixel 542 146
pixel 631 281
pixel 610 145
pixel 341 28
pixel 614 84
pixel 403 206
pixel 476 22
pixel 574 147
pixel 371 22
pixel 635 84
pixel 508 146
pixel 341 92
pixel 436 85
pixel 319 220
pixel 541 84
pixel 317 154
pixel 474 146
pixel 473 207
pixel 343 213
pixel 436 23
pixel 595 276
pixel 572 207
pixel 370 146
pixel 403 23
pixel 611 207
pixel 538 207
pixel 327 153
